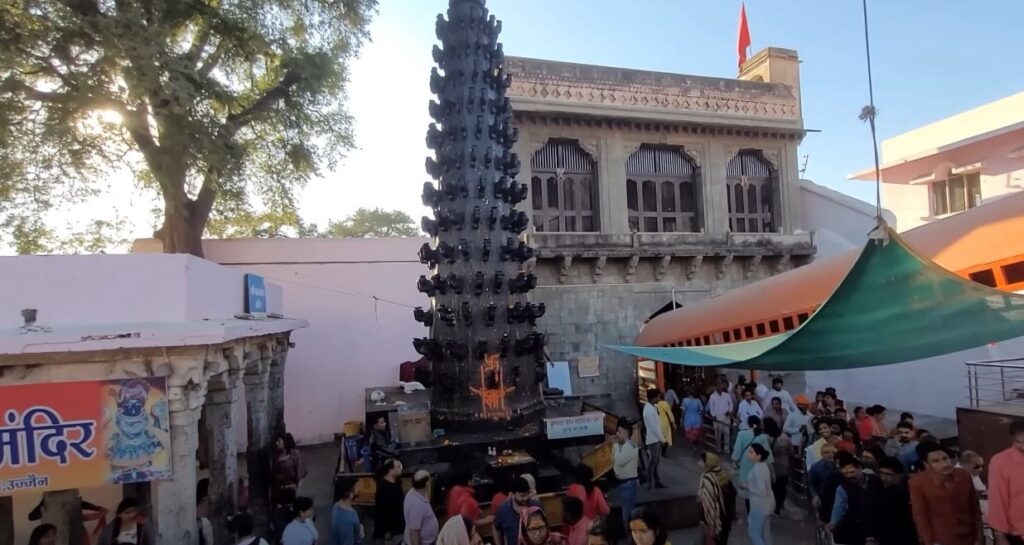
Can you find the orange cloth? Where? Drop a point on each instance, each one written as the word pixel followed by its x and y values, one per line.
pixel 946 508
pixel 801 399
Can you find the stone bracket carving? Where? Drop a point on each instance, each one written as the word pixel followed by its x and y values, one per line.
pixel 530 264
pixel 783 264
pixel 751 267
pixel 723 264
pixel 563 269
pixel 773 158
pixel 662 268
pixel 631 267
pixel 599 265
pixel 694 266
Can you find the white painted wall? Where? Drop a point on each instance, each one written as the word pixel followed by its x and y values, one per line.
pixel 935 386
pixel 839 222
pixel 352 342
pixel 77 290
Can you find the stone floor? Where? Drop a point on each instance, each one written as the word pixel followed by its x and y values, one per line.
pixel 682 471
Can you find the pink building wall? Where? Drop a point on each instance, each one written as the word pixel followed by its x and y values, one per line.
pixel 352 342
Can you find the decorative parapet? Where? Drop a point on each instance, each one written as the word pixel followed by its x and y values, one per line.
pixel 549 86
pixel 648 245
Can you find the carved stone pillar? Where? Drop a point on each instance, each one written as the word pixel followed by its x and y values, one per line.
pixel 713 175
pixel 258 454
pixel 63 509
pixel 219 434
pixel 174 500
pixel 6 520
pixel 275 386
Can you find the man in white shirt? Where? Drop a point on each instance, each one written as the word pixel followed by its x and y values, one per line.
pixel 654 438
pixel 624 458
pixel 747 408
pixel 720 408
pixel 796 423
pixel 778 392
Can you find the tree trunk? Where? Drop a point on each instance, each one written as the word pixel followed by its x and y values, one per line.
pixel 182 231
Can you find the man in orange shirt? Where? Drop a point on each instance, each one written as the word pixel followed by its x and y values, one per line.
pixel 943 500
pixel 1006 490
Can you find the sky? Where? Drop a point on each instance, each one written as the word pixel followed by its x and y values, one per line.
pixel 931 59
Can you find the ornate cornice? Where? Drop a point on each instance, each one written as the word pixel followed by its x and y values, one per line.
pixel 558 82
pixel 564 119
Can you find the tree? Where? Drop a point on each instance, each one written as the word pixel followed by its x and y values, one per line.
pixel 376 223
pixel 212 103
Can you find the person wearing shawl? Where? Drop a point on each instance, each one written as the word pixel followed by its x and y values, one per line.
pixel 534 530
pixel 459 530
pixel 718 500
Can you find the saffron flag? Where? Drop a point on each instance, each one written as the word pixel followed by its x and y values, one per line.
pixel 743 40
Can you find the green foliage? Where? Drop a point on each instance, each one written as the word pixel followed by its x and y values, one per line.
pixel 376 223
pixel 224 107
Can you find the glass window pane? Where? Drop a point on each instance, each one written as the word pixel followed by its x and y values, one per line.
pixel 634 223
pixel 553 225
pixel 570 224
pixel 957 195
pixel 741 225
pixel 586 194
pixel 693 223
pixel 568 194
pixel 668 225
pixel 973 190
pixel 686 198
pixel 940 202
pixel 650 225
pixel 552 192
pixel 538 223
pixel 537 194
pixel 650 195
pixel 753 205
pixel 588 224
pixel 738 199
pixel 668 197
pixel 632 203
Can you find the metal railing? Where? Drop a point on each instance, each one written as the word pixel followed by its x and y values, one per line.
pixel 997 381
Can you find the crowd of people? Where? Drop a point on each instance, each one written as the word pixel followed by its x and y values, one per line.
pixel 867 484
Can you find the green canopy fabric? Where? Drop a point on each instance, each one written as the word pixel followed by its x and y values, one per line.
pixel 893 306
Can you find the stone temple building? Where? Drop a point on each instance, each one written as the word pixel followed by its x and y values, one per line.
pixel 648 188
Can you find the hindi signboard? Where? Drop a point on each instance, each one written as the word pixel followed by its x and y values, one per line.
pixel 56 436
pixel 255 295
pixel 584 425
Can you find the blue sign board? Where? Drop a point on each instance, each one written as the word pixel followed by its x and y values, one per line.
pixel 255 294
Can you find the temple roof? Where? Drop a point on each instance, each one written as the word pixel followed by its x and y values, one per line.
pixel 570 88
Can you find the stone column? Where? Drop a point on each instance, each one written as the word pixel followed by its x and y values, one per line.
pixel 612 181
pixel 174 500
pixel 275 386
pixel 258 453
pixel 222 450
pixel 63 509
pixel 6 520
pixel 716 207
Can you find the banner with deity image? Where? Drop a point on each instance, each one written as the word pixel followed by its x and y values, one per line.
pixel 56 436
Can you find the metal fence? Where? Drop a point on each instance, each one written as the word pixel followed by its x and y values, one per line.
pixel 995 382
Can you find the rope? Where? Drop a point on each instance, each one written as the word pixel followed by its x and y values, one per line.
pixel 868 114
pixel 374 298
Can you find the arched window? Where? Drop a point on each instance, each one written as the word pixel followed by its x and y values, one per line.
pixel 750 193
pixel 661 191
pixel 564 188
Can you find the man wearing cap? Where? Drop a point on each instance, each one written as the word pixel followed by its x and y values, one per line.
pixel 796 422
pixel 420 521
